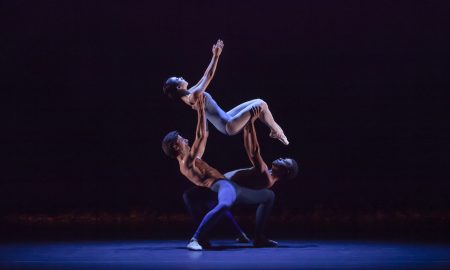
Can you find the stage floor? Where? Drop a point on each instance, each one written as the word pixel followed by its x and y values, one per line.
pixel 172 254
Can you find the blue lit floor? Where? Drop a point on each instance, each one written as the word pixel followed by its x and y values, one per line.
pixel 171 254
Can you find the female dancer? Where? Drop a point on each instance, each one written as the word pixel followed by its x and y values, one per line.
pixel 228 123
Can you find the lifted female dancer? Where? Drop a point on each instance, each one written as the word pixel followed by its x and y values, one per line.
pixel 228 123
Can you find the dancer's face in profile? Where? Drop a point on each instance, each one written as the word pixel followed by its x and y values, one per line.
pixel 176 87
pixel 180 82
pixel 281 166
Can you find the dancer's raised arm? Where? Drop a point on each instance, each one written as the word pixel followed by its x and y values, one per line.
pixel 252 148
pixel 201 86
pixel 201 133
pixel 251 143
pixel 254 155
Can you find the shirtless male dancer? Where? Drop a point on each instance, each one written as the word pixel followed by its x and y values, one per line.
pixel 201 174
pixel 258 176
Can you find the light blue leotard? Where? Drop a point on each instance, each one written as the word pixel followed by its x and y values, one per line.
pixel 215 114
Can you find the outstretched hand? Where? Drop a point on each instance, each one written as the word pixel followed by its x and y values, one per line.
pixel 218 47
pixel 255 111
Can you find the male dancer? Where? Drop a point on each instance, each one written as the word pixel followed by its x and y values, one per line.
pixel 201 174
pixel 256 177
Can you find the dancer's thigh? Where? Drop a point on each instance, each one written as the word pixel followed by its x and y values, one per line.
pixel 233 112
pixel 226 193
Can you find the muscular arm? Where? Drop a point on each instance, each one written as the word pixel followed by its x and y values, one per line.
pixel 201 133
pixel 201 86
pixel 252 148
pixel 254 155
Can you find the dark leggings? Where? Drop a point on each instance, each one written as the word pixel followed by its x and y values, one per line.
pixel 229 193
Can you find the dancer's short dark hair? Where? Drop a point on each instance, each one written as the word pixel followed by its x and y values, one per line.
pixel 170 89
pixel 168 144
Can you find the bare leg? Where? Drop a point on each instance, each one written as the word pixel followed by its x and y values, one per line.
pixel 241 114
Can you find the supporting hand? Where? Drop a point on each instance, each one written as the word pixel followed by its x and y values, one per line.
pixel 201 101
pixel 255 112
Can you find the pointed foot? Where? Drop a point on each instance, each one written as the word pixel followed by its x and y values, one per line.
pixel 279 136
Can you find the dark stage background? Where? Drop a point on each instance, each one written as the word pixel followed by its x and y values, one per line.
pixel 360 88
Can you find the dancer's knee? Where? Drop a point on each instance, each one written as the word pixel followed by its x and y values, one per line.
pixel 261 103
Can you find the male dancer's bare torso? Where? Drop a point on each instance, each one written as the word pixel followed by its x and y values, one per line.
pixel 200 173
